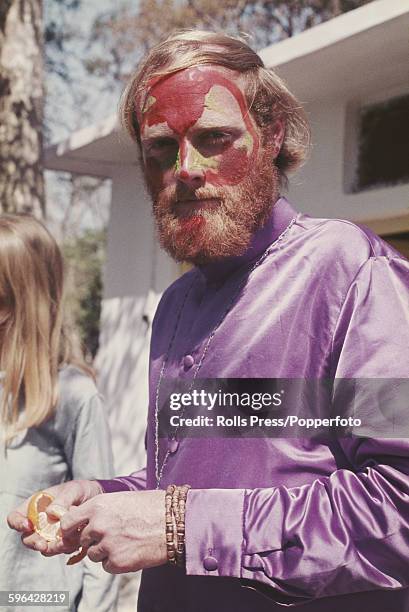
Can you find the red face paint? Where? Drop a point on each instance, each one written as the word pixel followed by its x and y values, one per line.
pixel 179 102
pixel 193 84
pixel 191 224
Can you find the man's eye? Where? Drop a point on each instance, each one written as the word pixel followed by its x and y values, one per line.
pixel 215 137
pixel 162 144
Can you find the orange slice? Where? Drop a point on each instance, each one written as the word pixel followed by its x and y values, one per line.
pixel 47 527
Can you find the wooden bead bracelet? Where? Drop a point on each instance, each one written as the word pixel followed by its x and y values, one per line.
pixel 175 508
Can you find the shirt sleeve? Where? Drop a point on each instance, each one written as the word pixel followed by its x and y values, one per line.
pixel 91 458
pixel 345 532
pixel 134 482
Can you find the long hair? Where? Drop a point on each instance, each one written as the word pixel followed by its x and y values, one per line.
pixel 267 96
pixel 33 344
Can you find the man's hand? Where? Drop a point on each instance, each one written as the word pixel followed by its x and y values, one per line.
pixel 125 531
pixel 66 494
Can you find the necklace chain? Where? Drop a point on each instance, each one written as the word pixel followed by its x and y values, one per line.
pixel 159 470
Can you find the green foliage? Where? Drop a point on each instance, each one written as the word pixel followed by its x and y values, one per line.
pixel 121 36
pixel 84 256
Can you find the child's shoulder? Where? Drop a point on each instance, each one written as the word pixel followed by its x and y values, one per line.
pixel 76 388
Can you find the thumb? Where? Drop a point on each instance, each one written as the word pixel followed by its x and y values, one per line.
pixel 55 510
pixel 72 493
pixel 65 495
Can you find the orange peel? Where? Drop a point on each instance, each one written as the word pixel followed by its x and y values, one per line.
pixel 46 526
pixel 79 556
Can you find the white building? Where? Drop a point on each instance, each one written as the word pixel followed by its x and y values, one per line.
pixel 342 70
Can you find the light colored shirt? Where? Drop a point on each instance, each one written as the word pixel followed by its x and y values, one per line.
pixel 275 522
pixel 75 443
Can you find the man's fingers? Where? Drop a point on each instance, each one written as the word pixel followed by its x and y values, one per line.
pixel 110 567
pixel 57 548
pixel 60 547
pixel 49 549
pixel 66 546
pixel 55 510
pixel 51 553
pixel 75 519
pixel 18 521
pixel 69 494
pixel 61 503
pixel 88 537
pixel 96 553
pixel 34 541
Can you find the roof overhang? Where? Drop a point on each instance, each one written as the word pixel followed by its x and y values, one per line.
pixel 345 55
pixel 97 150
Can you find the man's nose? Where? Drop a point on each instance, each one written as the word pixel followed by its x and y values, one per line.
pixel 188 168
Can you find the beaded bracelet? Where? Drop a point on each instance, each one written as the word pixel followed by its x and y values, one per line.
pixel 175 507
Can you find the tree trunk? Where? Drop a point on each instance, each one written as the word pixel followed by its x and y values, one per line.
pixel 21 107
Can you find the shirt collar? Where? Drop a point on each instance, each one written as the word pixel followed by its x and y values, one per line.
pixel 281 216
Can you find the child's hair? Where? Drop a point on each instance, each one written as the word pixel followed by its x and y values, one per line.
pixel 33 345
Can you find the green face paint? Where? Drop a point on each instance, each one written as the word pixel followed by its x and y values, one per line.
pixel 198 120
pixel 196 161
pixel 150 101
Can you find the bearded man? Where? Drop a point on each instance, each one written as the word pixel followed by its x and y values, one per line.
pixel 268 522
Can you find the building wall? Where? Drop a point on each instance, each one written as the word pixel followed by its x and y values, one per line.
pixel 136 274
pixel 321 187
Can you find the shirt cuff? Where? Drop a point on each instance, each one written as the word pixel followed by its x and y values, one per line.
pixel 214 532
pixel 114 485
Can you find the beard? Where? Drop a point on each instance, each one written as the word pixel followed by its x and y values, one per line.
pixel 207 235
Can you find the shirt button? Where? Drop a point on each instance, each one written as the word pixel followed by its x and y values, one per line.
pixel 210 564
pixel 173 445
pixel 188 361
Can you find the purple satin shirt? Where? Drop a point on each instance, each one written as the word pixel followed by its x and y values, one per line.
pixel 274 523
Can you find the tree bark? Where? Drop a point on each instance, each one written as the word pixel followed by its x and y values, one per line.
pixel 21 107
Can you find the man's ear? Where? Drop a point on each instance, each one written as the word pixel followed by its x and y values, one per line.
pixel 277 133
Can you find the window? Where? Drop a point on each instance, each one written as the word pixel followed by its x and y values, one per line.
pixel 383 144
pixel 400 242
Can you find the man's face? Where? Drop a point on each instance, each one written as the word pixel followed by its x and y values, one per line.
pixel 212 179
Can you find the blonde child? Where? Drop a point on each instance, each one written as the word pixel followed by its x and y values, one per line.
pixel 52 419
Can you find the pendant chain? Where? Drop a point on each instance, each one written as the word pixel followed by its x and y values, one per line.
pixel 159 470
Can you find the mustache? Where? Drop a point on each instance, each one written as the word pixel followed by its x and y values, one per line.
pixel 172 194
